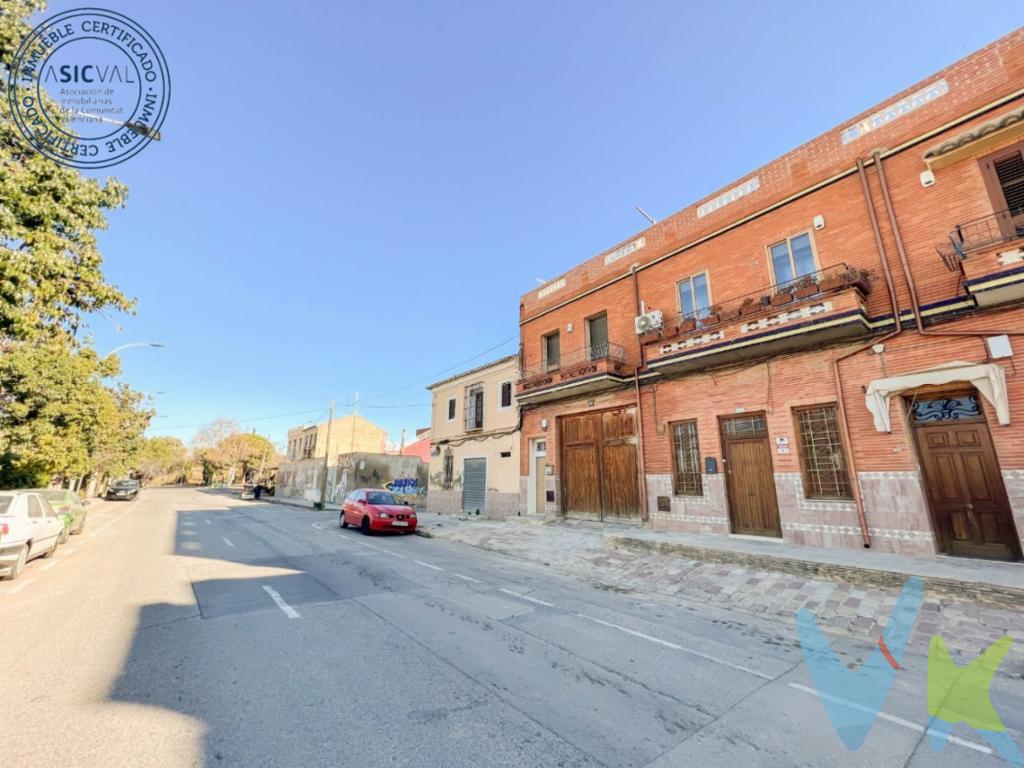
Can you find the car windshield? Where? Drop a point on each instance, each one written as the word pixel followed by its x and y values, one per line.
pixel 381 497
pixel 5 504
pixel 53 494
pixel 125 484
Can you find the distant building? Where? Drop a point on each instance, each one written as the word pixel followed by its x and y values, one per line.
pixel 348 434
pixel 420 446
pixel 301 480
pixel 474 433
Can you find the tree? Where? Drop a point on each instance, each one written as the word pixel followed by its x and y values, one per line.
pixel 162 456
pixel 50 272
pixel 226 452
pixel 58 417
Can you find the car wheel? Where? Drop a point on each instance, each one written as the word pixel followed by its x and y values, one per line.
pixel 342 522
pixel 365 527
pixel 19 564
pixel 64 533
pixel 81 528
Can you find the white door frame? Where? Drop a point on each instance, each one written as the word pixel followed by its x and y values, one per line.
pixel 531 483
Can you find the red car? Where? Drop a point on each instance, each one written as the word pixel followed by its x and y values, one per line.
pixel 373 509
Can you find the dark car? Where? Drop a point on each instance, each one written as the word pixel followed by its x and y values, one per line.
pixel 123 490
pixel 374 509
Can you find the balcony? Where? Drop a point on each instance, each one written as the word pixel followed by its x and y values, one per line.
pixel 597 368
pixel 814 309
pixel 990 253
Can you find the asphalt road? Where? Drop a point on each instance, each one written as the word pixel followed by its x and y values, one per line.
pixel 190 628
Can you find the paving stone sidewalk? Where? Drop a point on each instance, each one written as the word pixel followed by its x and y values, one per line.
pixel 579 550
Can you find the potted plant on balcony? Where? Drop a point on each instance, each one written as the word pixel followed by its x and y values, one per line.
pixel 806 286
pixel 836 279
pixel 713 316
pixel 751 305
pixel 782 296
pixel 687 324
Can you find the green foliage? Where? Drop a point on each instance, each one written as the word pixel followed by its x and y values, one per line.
pixel 161 456
pixel 59 417
pixel 50 272
pixel 228 454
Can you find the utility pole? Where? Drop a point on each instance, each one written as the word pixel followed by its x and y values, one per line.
pixel 327 453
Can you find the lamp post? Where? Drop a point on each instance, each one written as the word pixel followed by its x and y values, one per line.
pixel 158 344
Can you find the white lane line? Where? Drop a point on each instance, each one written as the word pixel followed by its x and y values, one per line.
pixel 676 647
pixel 209 523
pixel 466 578
pixel 20 586
pixel 521 596
pixel 891 718
pixel 227 541
pixel 428 565
pixel 290 612
pixel 48 566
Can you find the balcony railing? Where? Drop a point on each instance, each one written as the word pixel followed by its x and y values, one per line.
pixel 979 234
pixel 606 351
pixel 771 298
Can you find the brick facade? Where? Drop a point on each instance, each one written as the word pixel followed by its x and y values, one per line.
pixel 783 357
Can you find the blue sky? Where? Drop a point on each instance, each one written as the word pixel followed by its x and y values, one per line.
pixel 352 196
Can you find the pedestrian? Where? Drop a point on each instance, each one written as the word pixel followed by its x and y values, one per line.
pixel 257 491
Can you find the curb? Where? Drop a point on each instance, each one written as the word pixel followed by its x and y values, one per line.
pixel 990 594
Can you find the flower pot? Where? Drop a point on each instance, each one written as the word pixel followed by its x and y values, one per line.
pixel 781 298
pixel 806 289
pixel 687 324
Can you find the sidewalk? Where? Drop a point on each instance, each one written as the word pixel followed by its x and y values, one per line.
pixel 970 603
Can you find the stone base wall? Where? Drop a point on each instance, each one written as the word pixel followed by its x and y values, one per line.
pixel 1013 479
pixel 497 506
pixel 551 509
pixel 894 502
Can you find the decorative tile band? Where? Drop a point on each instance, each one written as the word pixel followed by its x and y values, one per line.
pixel 895 110
pixel 852 530
pixel 785 317
pixel 706 338
pixel 703 519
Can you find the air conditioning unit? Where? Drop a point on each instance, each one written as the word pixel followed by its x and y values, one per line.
pixel 649 321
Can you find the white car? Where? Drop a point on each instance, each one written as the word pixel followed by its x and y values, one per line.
pixel 29 528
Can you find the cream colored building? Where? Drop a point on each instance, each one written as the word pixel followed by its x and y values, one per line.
pixel 348 434
pixel 474 429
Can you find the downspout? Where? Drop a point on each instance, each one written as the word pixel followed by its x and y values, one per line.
pixel 905 264
pixel 858 500
pixel 644 514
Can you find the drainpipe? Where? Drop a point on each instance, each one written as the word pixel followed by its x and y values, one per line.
pixel 858 500
pixel 905 264
pixel 644 514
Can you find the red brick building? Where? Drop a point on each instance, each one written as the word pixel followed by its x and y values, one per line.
pixel 739 367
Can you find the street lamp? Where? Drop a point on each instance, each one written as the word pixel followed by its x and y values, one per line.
pixel 158 344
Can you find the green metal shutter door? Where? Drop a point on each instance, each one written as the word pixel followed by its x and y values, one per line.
pixel 474 484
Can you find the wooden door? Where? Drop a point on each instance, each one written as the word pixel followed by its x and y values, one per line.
pixel 581 487
pixel 749 479
pixel 620 491
pixel 970 511
pixel 600 466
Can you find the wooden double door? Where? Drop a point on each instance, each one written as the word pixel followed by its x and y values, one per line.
pixel 970 510
pixel 749 477
pixel 599 465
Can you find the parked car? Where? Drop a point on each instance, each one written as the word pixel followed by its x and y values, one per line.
pixel 123 490
pixel 29 528
pixel 374 509
pixel 248 491
pixel 69 508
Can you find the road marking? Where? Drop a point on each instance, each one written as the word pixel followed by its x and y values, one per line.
pixel 466 578
pixel 209 523
pixel 227 541
pixel 428 565
pixel 290 612
pixel 527 597
pixel 676 647
pixel 21 586
pixel 892 718
pixel 319 524
pixel 47 567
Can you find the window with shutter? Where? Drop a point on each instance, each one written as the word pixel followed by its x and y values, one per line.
pixel 1010 172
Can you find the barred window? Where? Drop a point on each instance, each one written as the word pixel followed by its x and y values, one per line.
pixel 449 470
pixel 686 480
pixel 474 406
pixel 821 453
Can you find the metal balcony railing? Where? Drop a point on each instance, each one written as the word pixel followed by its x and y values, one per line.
pixel 773 298
pixel 978 234
pixel 592 353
